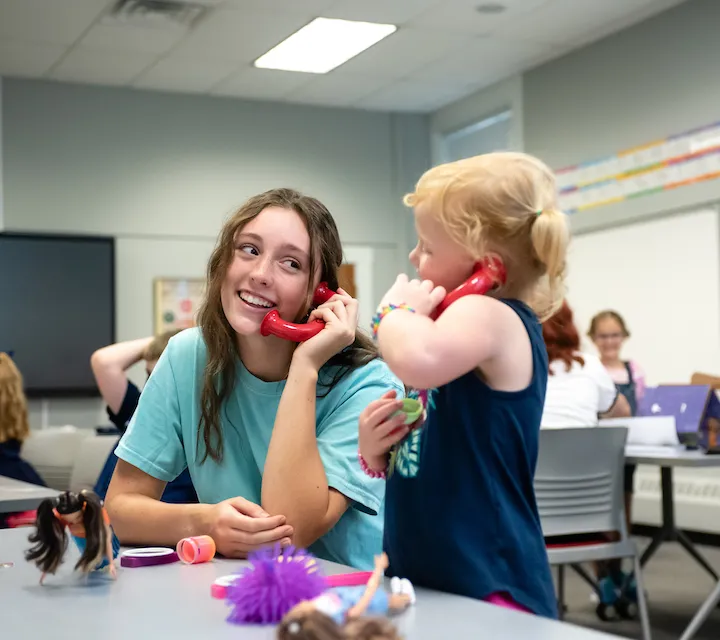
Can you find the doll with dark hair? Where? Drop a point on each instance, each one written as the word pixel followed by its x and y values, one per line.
pixel 84 515
pixel 315 625
pixel 339 613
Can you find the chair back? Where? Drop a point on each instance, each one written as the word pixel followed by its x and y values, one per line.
pixel 579 480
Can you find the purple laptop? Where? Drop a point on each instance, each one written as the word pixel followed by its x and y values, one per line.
pixel 696 410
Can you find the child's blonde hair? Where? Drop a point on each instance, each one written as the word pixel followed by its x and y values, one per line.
pixel 504 203
pixel 14 423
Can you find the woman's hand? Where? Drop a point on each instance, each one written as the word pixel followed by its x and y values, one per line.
pixel 380 430
pixel 421 295
pixel 239 526
pixel 340 315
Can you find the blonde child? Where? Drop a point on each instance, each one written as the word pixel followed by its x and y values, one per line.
pixel 461 514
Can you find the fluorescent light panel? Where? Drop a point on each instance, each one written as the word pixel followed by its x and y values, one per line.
pixel 324 44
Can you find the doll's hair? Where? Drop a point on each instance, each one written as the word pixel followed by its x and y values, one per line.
pixel 50 537
pixel 370 629
pixel 14 423
pixel 315 625
pixel 312 625
pixel 504 203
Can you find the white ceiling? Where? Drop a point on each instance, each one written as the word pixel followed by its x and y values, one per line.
pixel 442 51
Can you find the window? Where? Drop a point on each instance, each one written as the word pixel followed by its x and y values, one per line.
pixel 490 134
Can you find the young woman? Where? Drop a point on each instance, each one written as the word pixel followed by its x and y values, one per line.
pixel 267 428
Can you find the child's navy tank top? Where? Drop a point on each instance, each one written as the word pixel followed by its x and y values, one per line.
pixel 460 512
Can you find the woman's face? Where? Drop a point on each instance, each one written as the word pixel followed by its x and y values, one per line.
pixel 269 270
pixel 608 338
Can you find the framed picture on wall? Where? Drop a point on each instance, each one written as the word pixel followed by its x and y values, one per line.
pixel 176 302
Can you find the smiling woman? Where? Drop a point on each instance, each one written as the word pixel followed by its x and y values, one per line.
pixel 268 429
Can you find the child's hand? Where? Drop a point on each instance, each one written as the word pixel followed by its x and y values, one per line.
pixel 423 296
pixel 379 430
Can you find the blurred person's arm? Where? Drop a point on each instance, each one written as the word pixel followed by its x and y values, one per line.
pixel 110 365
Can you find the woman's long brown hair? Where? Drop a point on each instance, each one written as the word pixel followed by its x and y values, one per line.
pixel 219 336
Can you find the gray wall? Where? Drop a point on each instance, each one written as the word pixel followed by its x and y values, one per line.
pixel 161 171
pixel 650 81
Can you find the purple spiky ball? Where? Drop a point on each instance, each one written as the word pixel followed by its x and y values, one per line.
pixel 276 580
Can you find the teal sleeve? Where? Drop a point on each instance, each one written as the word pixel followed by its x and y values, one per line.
pixel 153 440
pixel 338 437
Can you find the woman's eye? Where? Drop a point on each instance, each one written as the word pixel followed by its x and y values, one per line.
pixel 293 264
pixel 248 248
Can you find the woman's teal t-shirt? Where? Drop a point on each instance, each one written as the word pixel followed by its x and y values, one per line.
pixel 161 440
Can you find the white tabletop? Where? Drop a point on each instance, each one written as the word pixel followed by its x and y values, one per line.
pixel 670 456
pixel 21 496
pixel 173 601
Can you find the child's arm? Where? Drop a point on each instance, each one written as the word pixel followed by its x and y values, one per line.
pixel 426 354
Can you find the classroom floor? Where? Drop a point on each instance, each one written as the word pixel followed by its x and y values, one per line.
pixel 676 587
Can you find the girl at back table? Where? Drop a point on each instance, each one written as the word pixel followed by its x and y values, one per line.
pixel 266 427
pixel 461 514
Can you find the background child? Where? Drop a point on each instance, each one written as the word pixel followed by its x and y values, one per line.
pixel 608 332
pixel 110 366
pixel 461 514
pixel 14 427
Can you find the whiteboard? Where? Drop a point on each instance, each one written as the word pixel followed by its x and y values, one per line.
pixel 663 277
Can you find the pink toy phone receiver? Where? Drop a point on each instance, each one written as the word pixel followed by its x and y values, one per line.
pixel 490 273
pixel 196 549
pixel 273 324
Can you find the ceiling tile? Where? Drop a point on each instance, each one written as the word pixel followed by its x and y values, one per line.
pixel 241 36
pixel 338 89
pixel 261 84
pixel 485 60
pixel 54 22
pixel 573 21
pixel 405 51
pixel 384 11
pixel 171 74
pixel 131 38
pixel 83 64
pixel 416 95
pixel 314 7
pixel 461 16
pixel 29 59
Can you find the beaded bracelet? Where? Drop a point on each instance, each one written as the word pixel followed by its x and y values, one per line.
pixel 367 470
pixel 383 311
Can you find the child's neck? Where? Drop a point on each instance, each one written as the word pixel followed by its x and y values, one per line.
pixel 612 363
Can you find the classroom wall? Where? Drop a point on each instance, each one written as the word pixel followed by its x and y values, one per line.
pixel 160 172
pixel 652 80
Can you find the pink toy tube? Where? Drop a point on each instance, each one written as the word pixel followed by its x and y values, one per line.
pixel 358 578
pixel 196 549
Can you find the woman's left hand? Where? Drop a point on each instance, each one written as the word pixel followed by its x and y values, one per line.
pixel 340 315
pixel 421 295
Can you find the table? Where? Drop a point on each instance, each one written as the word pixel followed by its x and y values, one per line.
pixel 667 458
pixel 22 496
pixel 173 601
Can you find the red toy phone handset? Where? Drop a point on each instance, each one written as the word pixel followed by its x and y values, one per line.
pixel 273 324
pixel 490 274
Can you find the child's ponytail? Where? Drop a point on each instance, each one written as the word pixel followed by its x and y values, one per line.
pixel 550 237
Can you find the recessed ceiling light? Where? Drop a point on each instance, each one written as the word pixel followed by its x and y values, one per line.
pixel 490 7
pixel 324 44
